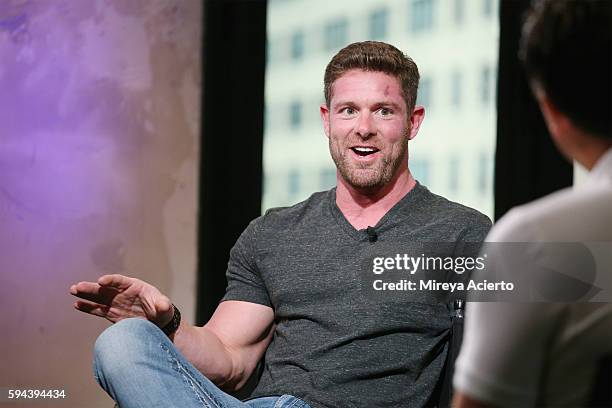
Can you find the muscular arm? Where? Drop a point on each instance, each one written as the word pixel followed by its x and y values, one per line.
pixel 225 350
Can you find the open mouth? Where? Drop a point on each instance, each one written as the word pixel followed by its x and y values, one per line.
pixel 364 151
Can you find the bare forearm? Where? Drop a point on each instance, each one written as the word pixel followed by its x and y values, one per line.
pixel 226 350
pixel 207 353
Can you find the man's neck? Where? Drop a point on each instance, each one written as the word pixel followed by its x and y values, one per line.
pixel 366 208
pixel 590 153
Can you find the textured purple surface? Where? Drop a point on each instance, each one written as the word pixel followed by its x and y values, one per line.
pixel 99 107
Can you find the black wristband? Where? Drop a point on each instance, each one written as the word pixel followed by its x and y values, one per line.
pixel 173 324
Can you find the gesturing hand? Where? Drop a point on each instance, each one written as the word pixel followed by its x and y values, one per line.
pixel 116 297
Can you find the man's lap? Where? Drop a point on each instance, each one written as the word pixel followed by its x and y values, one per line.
pixel 138 365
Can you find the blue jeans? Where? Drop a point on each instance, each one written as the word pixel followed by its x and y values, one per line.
pixel 139 367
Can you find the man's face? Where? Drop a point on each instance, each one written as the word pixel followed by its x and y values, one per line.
pixel 368 127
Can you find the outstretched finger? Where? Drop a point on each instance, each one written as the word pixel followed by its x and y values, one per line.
pixel 116 281
pixel 83 287
pixel 94 292
pixel 92 308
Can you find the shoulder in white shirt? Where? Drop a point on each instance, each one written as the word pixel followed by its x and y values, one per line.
pixel 542 354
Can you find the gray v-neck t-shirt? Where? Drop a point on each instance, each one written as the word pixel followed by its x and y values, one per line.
pixel 334 346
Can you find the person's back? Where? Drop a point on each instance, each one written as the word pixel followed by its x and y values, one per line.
pixel 548 353
pixel 561 344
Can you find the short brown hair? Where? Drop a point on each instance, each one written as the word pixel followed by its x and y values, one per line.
pixel 374 56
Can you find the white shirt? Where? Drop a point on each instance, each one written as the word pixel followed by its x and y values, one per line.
pixel 542 354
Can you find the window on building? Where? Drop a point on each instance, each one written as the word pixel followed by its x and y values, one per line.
pixel 453 176
pixel 424 94
pixel 336 34
pixel 421 15
pixel 458 7
pixel 485 85
pixel 378 24
pixel 271 50
pixel 419 167
pixel 456 79
pixel 327 178
pixel 483 172
pixel 295 114
pixel 297 45
pixel 293 182
pixel 487 8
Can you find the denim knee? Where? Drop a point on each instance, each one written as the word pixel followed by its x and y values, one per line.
pixel 124 345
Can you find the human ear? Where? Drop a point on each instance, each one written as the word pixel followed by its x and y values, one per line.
pixel 415 119
pixel 324 112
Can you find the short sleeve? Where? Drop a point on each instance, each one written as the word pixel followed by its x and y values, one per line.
pixel 244 280
pixel 478 228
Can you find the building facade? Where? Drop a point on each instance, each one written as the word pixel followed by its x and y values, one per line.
pixel 455 45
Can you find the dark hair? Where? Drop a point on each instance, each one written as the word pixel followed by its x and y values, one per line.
pixel 566 48
pixel 377 57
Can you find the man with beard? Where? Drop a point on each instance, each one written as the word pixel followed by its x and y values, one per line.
pixel 294 289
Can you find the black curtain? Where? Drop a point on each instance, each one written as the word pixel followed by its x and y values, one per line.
pixel 527 164
pixel 233 55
